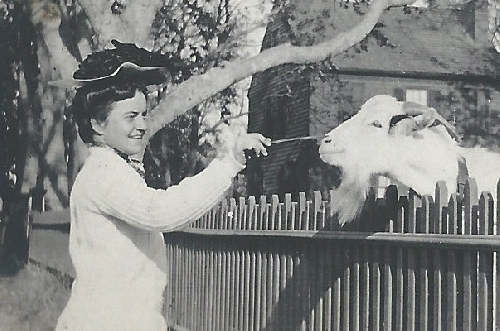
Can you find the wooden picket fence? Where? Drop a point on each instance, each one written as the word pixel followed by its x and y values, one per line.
pixel 255 265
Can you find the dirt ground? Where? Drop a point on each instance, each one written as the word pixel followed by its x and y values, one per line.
pixel 32 300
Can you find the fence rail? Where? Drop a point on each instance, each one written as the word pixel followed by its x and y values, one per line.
pixel 283 265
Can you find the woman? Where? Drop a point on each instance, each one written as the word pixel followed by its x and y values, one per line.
pixel 116 241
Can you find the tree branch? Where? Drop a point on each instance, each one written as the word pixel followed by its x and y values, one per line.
pixel 199 88
pixel 223 120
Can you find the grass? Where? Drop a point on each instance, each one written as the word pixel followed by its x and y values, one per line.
pixel 32 299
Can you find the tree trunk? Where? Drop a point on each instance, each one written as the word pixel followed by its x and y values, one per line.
pixel 55 63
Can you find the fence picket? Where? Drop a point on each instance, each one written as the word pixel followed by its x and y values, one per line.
pixel 391 206
pixel 399 292
pixel 337 297
pixel 388 289
pixel 291 263
pixel 496 289
pixel 470 206
pixel 411 297
pixel 437 291
pixel 303 269
pixel 346 285
pixel 219 306
pixel 240 290
pixel 266 281
pixel 289 215
pixel 486 216
pixel 496 280
pixel 414 204
pixel 253 290
pixel 497 231
pixel 252 213
pixel 403 214
pixel 424 293
pixel 232 215
pixel 233 296
pixel 484 296
pixel 278 272
pixel 282 217
pixel 451 291
pixel 453 212
pixel 424 221
pixel 441 201
pixel 355 290
pixel 317 211
pixel 329 308
pixel 263 215
pixel 242 214
pixel 258 292
pixel 274 219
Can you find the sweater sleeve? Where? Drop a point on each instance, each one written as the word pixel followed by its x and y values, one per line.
pixel 129 199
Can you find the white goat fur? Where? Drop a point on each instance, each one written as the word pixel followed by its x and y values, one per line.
pixel 363 147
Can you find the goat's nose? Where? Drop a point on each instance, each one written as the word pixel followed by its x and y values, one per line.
pixel 326 140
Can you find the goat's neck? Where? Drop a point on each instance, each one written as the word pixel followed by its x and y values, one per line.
pixel 423 178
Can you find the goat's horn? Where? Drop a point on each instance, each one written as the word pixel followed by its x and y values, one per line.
pixel 426 116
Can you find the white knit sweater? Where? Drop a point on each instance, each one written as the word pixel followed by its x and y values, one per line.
pixel 116 242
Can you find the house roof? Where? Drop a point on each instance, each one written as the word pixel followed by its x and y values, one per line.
pixel 425 42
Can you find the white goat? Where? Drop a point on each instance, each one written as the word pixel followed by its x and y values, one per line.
pixel 404 141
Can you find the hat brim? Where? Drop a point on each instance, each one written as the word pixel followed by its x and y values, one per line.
pixel 158 75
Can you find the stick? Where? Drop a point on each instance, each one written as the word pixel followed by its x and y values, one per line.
pixel 279 141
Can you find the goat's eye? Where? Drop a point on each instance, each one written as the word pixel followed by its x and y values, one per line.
pixel 376 124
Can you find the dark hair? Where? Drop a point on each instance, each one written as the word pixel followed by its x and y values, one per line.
pixel 94 101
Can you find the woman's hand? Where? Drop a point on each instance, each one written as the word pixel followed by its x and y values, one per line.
pixel 250 141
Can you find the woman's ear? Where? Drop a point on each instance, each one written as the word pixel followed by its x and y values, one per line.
pixel 97 126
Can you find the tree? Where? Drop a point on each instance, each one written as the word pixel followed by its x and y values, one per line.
pixel 71 29
pixel 18 111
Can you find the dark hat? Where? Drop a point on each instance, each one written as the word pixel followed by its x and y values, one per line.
pixel 126 62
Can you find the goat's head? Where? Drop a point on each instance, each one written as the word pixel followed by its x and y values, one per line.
pixel 388 137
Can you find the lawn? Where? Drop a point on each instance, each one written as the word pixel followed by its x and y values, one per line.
pixel 32 299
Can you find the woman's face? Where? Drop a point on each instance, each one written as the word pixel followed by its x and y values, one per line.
pixel 125 126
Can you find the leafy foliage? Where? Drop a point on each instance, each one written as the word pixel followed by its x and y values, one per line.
pixel 200 34
pixel 317 21
pixel 467 106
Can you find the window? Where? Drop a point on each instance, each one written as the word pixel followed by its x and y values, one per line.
pixel 418 96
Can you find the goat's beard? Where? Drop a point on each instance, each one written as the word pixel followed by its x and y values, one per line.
pixel 348 199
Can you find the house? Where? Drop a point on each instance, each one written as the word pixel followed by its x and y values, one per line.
pixel 439 57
